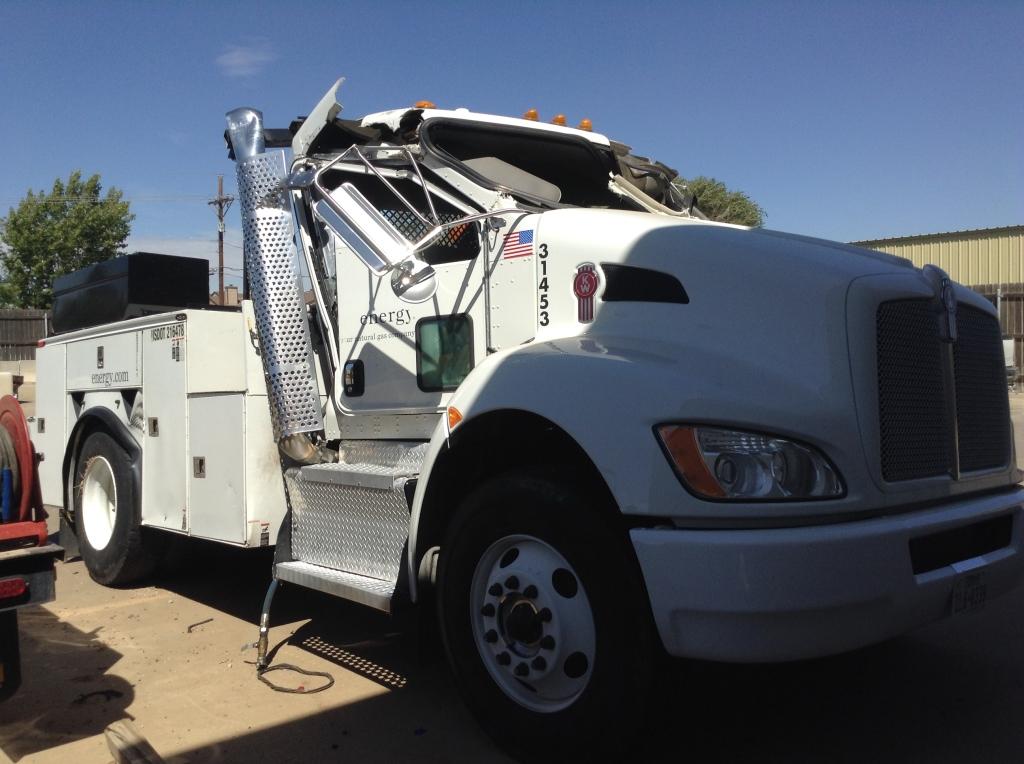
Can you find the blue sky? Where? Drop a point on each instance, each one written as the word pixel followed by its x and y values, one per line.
pixel 843 120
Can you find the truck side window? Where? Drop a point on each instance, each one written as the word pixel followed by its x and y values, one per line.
pixel 444 352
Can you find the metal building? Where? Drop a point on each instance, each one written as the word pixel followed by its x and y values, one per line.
pixel 989 260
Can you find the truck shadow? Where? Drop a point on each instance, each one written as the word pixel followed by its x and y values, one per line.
pixel 946 694
pixel 900 702
pixel 67 693
pixel 912 699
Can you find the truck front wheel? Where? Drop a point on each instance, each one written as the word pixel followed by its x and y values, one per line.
pixel 545 620
pixel 106 520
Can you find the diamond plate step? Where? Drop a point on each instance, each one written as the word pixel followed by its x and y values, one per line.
pixel 378 477
pixel 372 592
pixel 377 464
pixel 350 520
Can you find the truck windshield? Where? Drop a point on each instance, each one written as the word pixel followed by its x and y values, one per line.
pixel 552 169
pixel 543 167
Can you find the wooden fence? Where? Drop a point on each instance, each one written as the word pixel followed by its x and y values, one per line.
pixel 20 331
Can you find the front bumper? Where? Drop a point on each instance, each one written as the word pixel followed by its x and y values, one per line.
pixel 793 593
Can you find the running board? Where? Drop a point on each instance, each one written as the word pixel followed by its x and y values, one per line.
pixel 372 592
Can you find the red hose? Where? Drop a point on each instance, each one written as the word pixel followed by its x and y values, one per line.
pixel 12 418
pixel 29 526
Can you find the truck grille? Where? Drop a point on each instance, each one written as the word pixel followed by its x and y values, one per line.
pixel 915 423
pixel 911 398
pixel 983 408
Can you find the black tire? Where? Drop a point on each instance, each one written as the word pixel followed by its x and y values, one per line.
pixel 132 552
pixel 603 718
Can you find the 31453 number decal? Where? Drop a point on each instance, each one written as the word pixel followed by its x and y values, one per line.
pixel 542 287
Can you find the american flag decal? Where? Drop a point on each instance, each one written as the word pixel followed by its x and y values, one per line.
pixel 518 244
pixel 584 286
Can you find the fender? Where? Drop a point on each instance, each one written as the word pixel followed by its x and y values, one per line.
pixel 550 379
pixel 99 418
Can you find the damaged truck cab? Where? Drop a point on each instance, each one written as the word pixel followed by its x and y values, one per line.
pixel 536 389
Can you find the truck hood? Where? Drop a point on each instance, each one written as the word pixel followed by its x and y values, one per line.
pixel 763 344
pixel 695 247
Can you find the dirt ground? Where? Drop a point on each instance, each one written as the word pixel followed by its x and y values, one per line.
pixel 169 657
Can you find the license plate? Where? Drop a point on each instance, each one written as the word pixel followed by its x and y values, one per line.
pixel 969 594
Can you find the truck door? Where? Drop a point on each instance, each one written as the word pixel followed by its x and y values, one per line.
pixel 408 357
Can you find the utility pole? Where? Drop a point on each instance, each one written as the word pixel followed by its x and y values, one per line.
pixel 221 204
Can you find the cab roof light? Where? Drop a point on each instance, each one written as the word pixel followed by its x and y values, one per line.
pixel 532 115
pixel 585 124
pixel 559 120
pixel 425 105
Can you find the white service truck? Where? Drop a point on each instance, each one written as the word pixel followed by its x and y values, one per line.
pixel 534 388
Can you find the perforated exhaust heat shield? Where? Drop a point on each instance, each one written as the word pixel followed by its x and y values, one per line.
pixel 274 280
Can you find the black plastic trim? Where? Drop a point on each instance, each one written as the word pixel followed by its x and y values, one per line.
pixel 628 283
pixel 938 550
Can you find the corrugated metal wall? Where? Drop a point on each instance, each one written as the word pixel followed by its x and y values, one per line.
pixel 989 260
pixel 20 330
pixel 974 258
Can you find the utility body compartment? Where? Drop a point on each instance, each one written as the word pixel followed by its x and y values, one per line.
pixel 188 387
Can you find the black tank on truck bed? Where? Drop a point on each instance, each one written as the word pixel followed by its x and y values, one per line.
pixel 135 285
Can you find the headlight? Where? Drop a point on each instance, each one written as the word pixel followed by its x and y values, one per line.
pixel 729 464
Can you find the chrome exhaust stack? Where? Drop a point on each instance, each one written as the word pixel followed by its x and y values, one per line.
pixel 276 288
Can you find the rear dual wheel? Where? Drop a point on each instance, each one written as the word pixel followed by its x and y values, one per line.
pixel 114 546
pixel 545 620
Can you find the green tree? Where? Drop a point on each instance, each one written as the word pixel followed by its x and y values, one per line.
pixel 719 203
pixel 50 234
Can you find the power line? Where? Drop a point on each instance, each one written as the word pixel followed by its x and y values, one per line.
pixel 191 198
pixel 221 203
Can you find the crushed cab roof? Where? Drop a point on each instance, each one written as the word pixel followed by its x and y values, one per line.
pixel 393 118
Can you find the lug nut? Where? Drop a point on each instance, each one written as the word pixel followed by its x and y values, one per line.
pixel 539 664
pixel 487 610
pixel 512 582
pixel 504 659
pixel 530 591
pixel 522 670
pixel 491 636
pixel 495 590
pixel 547 642
pixel 544 614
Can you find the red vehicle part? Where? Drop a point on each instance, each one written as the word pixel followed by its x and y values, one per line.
pixel 29 527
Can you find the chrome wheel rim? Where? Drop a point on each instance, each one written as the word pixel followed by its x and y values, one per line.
pixel 532 623
pixel 99 502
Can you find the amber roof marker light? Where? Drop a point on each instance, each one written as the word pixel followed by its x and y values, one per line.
pixel 559 120
pixel 585 124
pixel 425 105
pixel 531 114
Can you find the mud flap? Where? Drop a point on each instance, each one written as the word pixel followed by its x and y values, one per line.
pixel 68 539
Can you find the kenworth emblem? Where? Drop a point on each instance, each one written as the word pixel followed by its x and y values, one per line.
pixel 585 288
pixel 943 287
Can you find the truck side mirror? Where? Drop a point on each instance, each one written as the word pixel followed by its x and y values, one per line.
pixel 376 242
